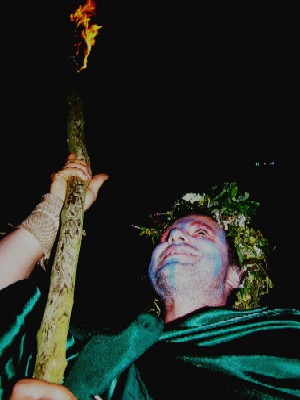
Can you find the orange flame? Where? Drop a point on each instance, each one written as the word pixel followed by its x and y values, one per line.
pixel 82 17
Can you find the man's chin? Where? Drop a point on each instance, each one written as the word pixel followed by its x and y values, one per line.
pixel 170 267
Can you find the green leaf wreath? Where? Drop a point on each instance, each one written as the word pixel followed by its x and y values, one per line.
pixel 233 212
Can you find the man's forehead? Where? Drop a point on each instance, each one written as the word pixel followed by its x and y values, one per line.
pixel 197 218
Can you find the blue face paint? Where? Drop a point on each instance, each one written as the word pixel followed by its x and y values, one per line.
pixel 194 247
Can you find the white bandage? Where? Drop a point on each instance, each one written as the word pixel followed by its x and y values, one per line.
pixel 44 222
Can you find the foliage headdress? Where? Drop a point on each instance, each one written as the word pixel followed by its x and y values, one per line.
pixel 233 212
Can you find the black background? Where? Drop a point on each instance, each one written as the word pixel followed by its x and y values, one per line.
pixel 176 98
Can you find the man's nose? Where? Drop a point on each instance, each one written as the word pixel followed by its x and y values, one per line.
pixel 176 235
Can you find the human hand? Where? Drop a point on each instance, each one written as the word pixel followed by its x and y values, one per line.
pixel 36 389
pixel 78 168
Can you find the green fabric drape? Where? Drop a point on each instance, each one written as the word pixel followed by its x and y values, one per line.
pixel 237 354
pixel 19 304
pixel 217 352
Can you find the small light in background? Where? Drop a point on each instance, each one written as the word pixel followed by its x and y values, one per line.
pixel 264 164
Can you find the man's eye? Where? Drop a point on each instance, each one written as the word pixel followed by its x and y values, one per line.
pixel 201 232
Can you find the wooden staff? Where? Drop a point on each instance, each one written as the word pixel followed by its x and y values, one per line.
pixel 53 333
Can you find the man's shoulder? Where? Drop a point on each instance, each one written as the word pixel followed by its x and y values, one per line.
pixel 218 317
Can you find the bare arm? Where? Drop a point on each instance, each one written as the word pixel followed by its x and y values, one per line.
pixel 19 253
pixel 20 250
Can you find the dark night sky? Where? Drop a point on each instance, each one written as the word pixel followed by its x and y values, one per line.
pixel 175 100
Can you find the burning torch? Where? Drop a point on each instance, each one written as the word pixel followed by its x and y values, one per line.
pixel 52 336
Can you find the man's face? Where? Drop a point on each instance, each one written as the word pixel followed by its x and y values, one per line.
pixel 192 256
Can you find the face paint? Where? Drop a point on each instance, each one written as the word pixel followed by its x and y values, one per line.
pixel 191 251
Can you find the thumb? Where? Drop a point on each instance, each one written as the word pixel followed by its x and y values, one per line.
pixel 93 188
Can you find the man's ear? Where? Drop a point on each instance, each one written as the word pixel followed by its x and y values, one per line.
pixel 234 276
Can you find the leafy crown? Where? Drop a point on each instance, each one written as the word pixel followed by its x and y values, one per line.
pixel 233 212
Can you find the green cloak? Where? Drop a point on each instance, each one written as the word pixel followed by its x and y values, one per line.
pixel 212 352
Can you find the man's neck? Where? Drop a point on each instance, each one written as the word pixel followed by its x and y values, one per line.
pixel 185 305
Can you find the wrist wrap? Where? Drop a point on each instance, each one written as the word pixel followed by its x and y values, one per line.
pixel 43 223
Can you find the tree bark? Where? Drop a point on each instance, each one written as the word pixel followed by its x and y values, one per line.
pixel 53 333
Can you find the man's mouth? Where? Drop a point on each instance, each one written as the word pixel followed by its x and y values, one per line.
pixel 180 251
